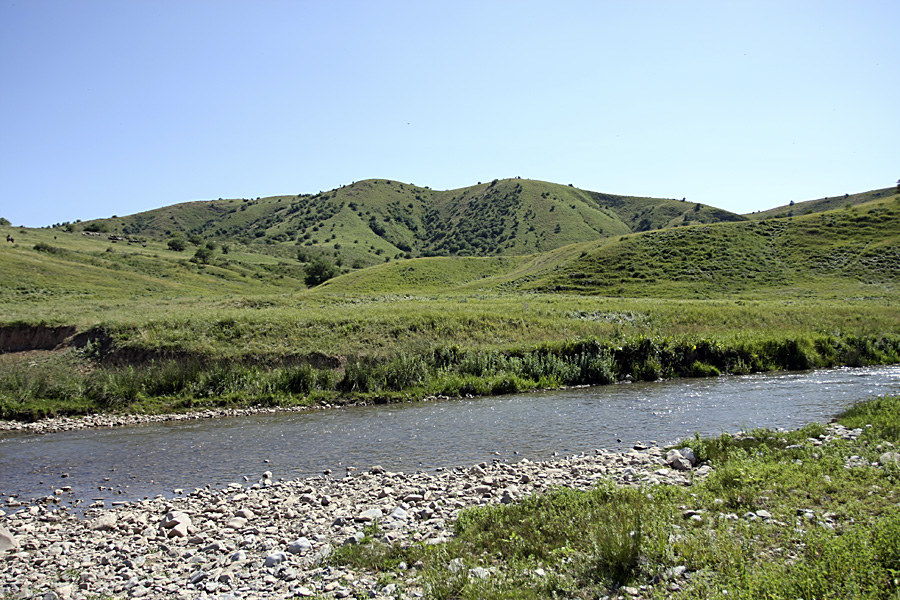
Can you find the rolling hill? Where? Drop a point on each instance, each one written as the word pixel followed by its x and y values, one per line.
pixel 848 252
pixel 511 235
pixel 370 222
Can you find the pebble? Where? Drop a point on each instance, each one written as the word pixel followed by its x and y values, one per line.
pixel 267 540
pixel 183 548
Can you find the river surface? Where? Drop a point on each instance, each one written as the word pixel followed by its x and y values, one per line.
pixel 135 462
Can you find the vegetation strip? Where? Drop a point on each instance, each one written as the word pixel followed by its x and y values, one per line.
pixel 31 392
pixel 811 513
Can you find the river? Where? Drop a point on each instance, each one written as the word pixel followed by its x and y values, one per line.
pixel 135 462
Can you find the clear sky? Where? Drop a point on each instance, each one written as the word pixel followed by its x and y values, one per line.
pixel 119 106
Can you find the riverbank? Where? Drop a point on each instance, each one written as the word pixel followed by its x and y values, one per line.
pixel 129 371
pixel 274 538
pixel 751 503
pixel 57 424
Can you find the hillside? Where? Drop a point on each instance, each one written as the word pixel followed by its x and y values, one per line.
pixel 843 253
pixel 850 251
pixel 134 325
pixel 855 250
pixel 822 204
pixel 374 221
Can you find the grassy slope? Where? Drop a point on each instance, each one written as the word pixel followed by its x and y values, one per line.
pixel 844 253
pixel 848 251
pixel 822 204
pixel 814 290
pixel 74 277
pixel 373 221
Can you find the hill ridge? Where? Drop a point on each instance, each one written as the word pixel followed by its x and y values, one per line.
pixel 374 220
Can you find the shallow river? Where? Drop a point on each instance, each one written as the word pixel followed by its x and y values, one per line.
pixel 131 463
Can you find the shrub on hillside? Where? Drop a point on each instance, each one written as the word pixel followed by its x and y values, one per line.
pixel 319 271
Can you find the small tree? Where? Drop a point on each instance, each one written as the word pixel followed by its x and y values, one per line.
pixel 203 255
pixel 5 222
pixel 176 244
pixel 319 271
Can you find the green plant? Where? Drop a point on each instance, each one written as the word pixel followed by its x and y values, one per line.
pixel 617 534
pixel 319 271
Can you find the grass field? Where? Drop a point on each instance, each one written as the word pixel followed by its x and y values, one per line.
pixel 137 326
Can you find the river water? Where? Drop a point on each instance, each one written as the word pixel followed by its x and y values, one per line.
pixel 131 463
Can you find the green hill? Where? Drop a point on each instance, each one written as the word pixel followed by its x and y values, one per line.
pixel 225 317
pixel 822 204
pixel 374 221
pixel 842 253
pixel 512 235
pixel 854 250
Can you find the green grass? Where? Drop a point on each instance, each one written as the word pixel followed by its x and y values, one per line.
pixel 834 531
pixel 374 221
pixel 731 297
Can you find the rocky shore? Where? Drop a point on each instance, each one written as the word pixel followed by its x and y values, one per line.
pixel 55 424
pixel 272 539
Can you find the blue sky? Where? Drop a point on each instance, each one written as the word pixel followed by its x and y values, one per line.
pixel 119 106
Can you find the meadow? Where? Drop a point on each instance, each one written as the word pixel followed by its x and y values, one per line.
pixel 121 323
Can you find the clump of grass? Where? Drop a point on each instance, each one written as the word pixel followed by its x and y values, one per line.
pixel 616 535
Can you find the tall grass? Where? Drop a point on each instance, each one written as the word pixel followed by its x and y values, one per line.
pixel 29 391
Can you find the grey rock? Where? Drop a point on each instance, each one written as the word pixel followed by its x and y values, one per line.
pixel 681 464
pixel 300 546
pixel 174 518
pixel 456 565
pixel 275 559
pixel 889 457
pixel 367 516
pixel 399 513
pixel 179 530
pixel 198 577
pixel 105 522
pixel 216 546
pixel 7 540
pixel 355 538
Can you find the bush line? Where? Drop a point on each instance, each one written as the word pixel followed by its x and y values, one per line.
pixel 29 392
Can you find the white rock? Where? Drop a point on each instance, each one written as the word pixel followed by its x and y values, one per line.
pixel 105 522
pixel 300 546
pixel 7 540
